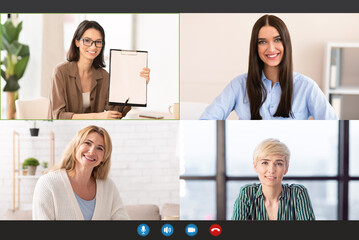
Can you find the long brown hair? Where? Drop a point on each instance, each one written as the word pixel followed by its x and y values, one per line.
pixel 256 91
pixel 73 55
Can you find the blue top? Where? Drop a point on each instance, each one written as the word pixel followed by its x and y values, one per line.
pixel 87 207
pixel 308 100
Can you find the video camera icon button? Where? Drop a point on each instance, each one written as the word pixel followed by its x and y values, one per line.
pixel 167 230
pixel 191 230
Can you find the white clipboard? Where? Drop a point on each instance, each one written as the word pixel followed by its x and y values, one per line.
pixel 125 80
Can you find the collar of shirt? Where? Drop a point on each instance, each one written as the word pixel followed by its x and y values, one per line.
pixel 74 72
pixel 264 77
pixel 268 83
pixel 283 194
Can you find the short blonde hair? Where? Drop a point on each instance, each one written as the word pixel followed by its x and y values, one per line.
pixel 271 146
pixel 68 160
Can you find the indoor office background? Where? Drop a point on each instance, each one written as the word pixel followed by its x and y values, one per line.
pixel 215 49
pixel 216 160
pixel 49 37
pixel 144 158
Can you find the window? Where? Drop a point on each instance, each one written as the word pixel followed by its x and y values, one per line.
pixel 353 200
pixel 319 161
pixel 199 148
pixel 199 206
pixel 198 158
pixel 353 148
pixel 353 170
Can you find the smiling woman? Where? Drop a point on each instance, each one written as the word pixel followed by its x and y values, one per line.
pixel 80 86
pixel 272 200
pixel 270 89
pixel 78 187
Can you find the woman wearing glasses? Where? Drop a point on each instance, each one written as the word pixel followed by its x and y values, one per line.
pixel 271 199
pixel 80 86
pixel 271 90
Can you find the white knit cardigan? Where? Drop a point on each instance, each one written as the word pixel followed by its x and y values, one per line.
pixel 54 199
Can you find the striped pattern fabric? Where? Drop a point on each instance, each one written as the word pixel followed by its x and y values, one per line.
pixel 294 203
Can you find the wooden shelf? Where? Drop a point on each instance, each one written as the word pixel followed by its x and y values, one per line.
pixel 17 171
pixel 345 90
pixel 28 177
pixel 343 45
pixel 341 73
pixel 34 138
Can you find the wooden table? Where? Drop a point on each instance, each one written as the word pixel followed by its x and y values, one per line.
pixel 136 114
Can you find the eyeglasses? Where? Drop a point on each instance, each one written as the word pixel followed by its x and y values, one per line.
pixel 88 42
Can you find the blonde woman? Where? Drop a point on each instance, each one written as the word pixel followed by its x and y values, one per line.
pixel 272 200
pixel 78 187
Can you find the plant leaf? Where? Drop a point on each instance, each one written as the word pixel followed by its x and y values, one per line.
pixel 12 32
pixel 4 34
pixel 21 66
pixel 12 48
pixel 4 42
pixel 4 62
pixel 24 51
pixel 3 74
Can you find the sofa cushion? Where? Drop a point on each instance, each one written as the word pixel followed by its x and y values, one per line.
pixel 170 211
pixel 18 214
pixel 143 212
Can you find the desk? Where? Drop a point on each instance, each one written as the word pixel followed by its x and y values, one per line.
pixel 135 114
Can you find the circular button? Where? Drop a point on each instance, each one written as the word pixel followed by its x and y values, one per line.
pixel 191 230
pixel 143 230
pixel 215 230
pixel 167 230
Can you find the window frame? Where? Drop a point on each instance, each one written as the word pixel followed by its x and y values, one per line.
pixel 342 177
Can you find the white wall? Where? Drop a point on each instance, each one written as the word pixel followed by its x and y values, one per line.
pixel 145 161
pixel 52 50
pixel 215 47
pixel 159 35
pixel 31 35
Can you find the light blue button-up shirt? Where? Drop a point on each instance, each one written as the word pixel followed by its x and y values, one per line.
pixel 308 100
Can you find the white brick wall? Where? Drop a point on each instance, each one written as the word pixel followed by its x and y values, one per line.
pixel 145 161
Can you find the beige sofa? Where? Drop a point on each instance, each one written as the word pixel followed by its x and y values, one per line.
pixel 135 212
pixel 152 212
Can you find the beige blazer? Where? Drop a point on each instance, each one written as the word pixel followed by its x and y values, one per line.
pixel 66 92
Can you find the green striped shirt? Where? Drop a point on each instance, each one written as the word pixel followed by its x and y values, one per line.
pixel 294 203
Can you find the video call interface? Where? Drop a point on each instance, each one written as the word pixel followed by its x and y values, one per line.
pixel 160 121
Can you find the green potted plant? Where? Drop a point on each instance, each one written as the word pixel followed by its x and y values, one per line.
pixel 44 166
pixel 24 170
pixel 15 62
pixel 31 165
